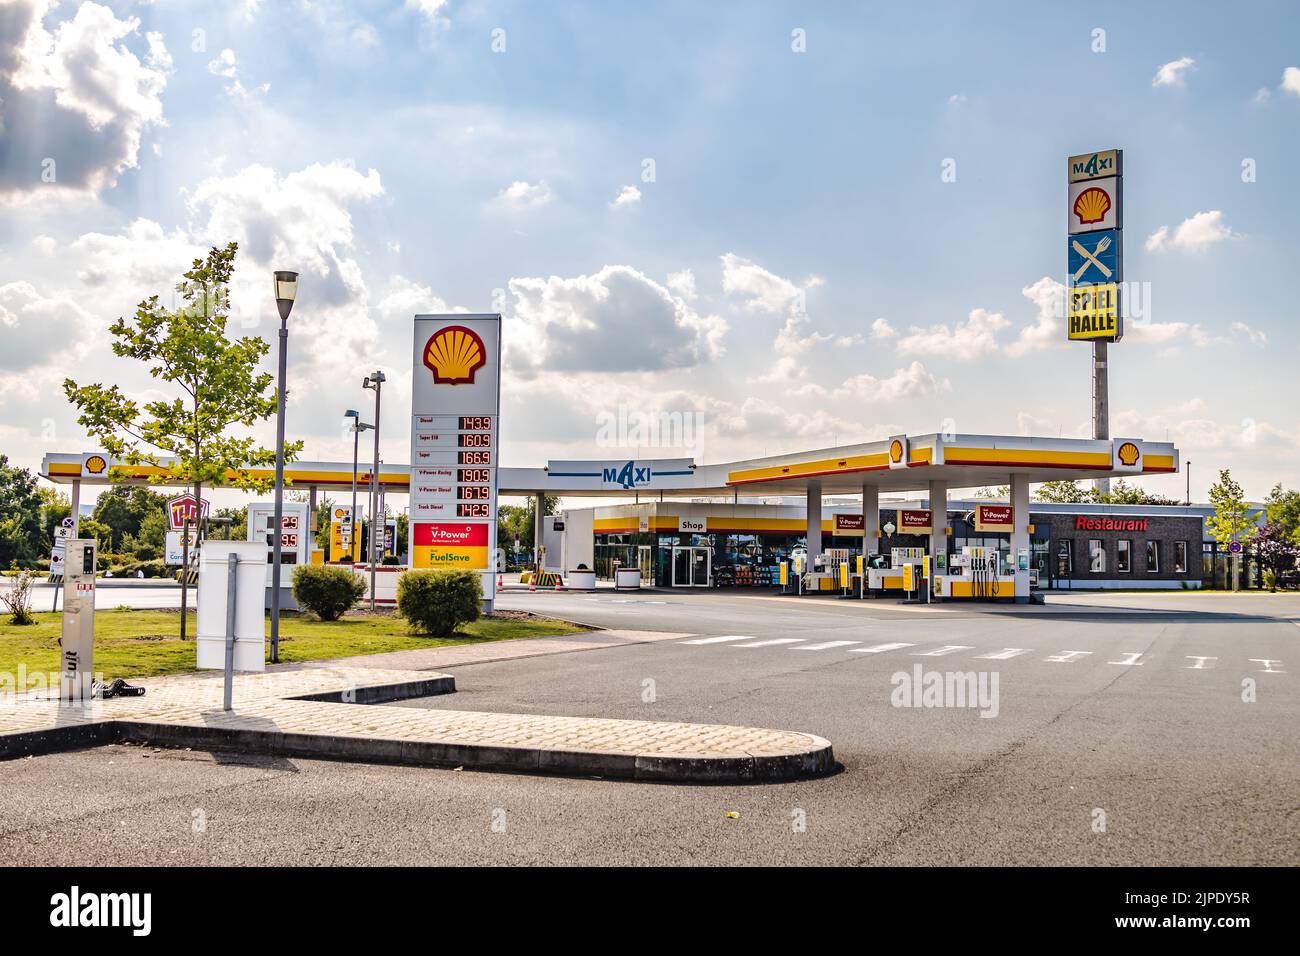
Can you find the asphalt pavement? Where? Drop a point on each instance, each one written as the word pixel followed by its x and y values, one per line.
pixel 1125 729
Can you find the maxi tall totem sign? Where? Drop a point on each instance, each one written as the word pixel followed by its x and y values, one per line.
pixel 1095 246
pixel 455 453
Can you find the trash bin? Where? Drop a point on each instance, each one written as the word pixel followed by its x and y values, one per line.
pixel 627 579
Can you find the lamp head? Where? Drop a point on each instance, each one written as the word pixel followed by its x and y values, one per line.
pixel 286 291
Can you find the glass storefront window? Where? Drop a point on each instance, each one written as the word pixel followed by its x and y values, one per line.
pixel 1123 556
pixel 1153 557
pixel 1180 557
pixel 1096 556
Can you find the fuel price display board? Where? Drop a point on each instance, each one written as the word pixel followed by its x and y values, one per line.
pixel 455 453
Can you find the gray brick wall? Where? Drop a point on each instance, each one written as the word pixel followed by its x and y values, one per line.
pixel 1161 529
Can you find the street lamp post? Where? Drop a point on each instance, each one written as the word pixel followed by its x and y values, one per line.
pixel 375 380
pixel 358 426
pixel 286 291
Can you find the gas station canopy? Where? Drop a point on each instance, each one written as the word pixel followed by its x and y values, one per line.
pixel 896 464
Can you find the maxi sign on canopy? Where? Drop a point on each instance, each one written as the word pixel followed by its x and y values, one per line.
pixel 1095 245
pixel 455 407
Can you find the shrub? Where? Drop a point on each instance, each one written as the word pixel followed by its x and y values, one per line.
pixel 327 592
pixel 391 561
pixel 19 599
pixel 438 602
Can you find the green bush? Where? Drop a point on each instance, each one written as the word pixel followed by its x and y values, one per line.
pixel 327 592
pixel 438 602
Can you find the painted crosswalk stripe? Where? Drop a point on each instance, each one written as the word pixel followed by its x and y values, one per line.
pixel 1200 664
pixel 946 649
pixel 1131 659
pixel 824 645
pixel 1067 657
pixel 1268 665
pixel 879 648
pixel 1004 655
pixel 773 640
pixel 719 640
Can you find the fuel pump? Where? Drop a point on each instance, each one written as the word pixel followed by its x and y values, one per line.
pixel 77 654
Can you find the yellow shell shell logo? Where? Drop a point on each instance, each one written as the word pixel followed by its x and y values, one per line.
pixel 454 354
pixel 1092 205
pixel 896 451
pixel 96 464
pixel 1129 454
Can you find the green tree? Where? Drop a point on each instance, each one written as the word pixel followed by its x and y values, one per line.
pixel 219 385
pixel 55 506
pixel 1231 521
pixel 515 522
pixel 20 516
pixel 1283 509
pixel 237 530
pixel 1122 493
pixel 1065 492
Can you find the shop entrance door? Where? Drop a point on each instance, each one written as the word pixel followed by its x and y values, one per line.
pixel 692 567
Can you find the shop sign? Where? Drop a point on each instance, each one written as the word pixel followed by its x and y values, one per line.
pixel 918 521
pixel 1085 523
pixel 692 525
pixel 994 518
pixel 849 523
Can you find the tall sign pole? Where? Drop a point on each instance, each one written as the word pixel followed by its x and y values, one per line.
pixel 1095 269
pixel 455 447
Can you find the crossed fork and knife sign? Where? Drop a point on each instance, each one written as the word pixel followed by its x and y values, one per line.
pixel 1090 258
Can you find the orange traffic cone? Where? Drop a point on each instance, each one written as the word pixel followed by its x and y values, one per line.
pixel 558 582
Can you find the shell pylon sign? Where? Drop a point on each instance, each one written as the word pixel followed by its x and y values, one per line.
pixel 1095 246
pixel 455 454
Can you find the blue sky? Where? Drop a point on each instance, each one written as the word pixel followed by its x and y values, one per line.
pixel 797 271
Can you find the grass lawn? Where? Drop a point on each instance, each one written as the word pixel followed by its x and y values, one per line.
pixel 146 643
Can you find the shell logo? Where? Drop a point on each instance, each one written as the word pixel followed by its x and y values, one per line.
pixel 96 464
pixel 1092 205
pixel 1129 454
pixel 896 451
pixel 454 354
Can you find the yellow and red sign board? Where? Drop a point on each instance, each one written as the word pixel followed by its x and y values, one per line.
pixel 1093 312
pixel 450 545
pixel 994 518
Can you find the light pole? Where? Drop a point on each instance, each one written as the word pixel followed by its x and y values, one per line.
pixel 358 426
pixel 286 290
pixel 375 380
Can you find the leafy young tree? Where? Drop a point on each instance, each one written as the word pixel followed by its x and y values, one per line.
pixel 1276 550
pixel 20 516
pixel 55 506
pixel 1122 493
pixel 218 381
pixel 1231 519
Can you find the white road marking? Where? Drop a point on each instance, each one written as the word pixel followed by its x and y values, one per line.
pixel 1200 664
pixel 824 645
pixel 1067 657
pixel 1268 664
pixel 1004 655
pixel 773 640
pixel 879 648
pixel 1131 659
pixel 719 640
pixel 946 649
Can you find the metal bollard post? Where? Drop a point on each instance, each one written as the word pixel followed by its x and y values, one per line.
pixel 232 562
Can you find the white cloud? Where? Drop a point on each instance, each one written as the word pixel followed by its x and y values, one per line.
pixel 1049 328
pixel 761 290
pixel 683 283
pixel 46 244
pixel 617 319
pixel 77 95
pixel 975 337
pixel 1262 94
pixel 523 195
pixel 1254 336
pixel 36 328
pixel 431 10
pixel 881 329
pixel 956 101
pixel 628 196
pixel 1171 74
pixel 1291 80
pixel 225 65
pixel 1194 234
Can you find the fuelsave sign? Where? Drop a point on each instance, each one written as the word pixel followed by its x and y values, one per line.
pixel 450 545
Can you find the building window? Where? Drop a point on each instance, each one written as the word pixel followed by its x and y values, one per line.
pixel 1180 557
pixel 1065 558
pixel 1096 556
pixel 1123 556
pixel 1153 557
